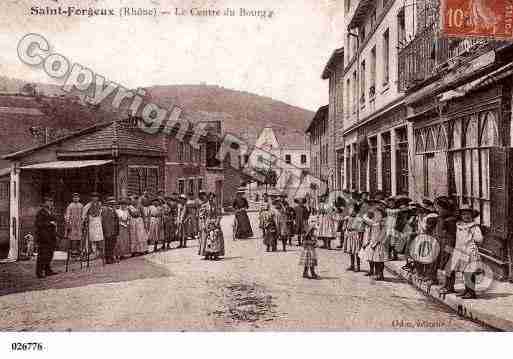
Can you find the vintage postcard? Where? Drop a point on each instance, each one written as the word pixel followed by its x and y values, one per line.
pixel 255 166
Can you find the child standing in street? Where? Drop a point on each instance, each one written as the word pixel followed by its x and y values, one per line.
pixel 465 257
pixel 309 256
pixel 353 239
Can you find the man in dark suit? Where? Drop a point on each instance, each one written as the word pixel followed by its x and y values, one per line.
pixel 46 236
pixel 110 227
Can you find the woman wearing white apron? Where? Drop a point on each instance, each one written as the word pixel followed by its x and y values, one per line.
pixel 92 215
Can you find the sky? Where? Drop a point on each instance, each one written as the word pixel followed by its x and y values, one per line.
pixel 281 57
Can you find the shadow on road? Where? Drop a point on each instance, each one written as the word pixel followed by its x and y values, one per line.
pixel 20 276
pixel 489 295
pixel 230 258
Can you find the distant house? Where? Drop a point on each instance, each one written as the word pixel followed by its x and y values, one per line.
pixel 276 149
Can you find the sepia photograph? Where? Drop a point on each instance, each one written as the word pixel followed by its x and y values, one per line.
pixel 309 167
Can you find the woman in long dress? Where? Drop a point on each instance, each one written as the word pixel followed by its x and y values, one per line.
pixel 211 236
pixel 191 227
pixel 154 224
pixel 92 215
pixel 122 248
pixel 243 226
pixel 138 234
pixel 218 215
pixel 204 208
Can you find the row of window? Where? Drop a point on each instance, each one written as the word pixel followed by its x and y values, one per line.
pixel 4 190
pixel 143 179
pixel 352 90
pixel 357 169
pixel 353 42
pixel 457 154
pixel 303 159
pixel 187 153
pixel 189 185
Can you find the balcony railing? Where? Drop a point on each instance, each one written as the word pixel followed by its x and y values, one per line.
pixel 415 60
pixel 428 54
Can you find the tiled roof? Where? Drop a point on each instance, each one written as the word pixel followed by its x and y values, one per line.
pixel 289 139
pixel 126 138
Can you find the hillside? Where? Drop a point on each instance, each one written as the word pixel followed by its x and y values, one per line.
pixel 246 113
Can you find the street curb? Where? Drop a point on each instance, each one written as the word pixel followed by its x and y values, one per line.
pixel 462 308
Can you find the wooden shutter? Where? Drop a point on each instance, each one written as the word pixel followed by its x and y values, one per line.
pixel 387 170
pixel 152 175
pixel 363 175
pixel 373 169
pixel 499 191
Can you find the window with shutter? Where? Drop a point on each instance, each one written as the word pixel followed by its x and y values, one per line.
pixel 141 178
pixel 402 161
pixel 498 190
pixel 363 175
pixel 373 165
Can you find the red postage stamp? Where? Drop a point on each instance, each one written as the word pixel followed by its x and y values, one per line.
pixel 477 18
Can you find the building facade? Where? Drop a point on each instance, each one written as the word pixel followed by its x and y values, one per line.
pixel 458 105
pixel 334 73
pixel 377 137
pixel 320 144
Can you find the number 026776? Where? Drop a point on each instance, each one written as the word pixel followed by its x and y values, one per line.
pixel 27 347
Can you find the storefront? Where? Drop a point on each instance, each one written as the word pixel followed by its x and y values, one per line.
pixel 113 159
pixel 463 149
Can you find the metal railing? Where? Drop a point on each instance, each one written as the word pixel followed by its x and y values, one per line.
pixel 428 53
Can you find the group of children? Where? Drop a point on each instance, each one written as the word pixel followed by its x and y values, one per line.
pixel 378 229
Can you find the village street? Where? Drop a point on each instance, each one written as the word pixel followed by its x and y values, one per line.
pixel 248 290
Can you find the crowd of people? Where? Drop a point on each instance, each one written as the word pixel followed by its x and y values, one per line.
pixel 434 236
pixel 132 226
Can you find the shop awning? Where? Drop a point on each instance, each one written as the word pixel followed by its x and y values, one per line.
pixel 57 165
